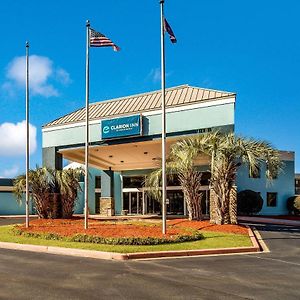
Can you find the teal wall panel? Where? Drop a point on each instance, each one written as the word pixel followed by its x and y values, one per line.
pixel 9 205
pixel 191 119
pixel 284 185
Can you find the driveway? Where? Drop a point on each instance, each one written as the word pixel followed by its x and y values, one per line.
pixel 275 275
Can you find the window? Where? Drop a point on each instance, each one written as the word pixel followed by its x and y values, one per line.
pixel 98 182
pixel 272 199
pixel 97 202
pixel 256 174
pixel 133 182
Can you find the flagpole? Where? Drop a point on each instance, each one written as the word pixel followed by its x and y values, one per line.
pixel 27 137
pixel 163 122
pixel 86 177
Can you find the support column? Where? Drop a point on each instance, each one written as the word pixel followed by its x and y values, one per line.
pixel 107 203
pixel 52 159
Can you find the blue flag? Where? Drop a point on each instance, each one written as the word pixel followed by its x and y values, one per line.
pixel 169 30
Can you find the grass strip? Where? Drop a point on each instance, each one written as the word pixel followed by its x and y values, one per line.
pixel 211 240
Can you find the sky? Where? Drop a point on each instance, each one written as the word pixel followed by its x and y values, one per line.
pixel 248 47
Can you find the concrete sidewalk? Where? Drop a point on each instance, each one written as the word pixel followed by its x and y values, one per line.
pixel 16 216
pixel 270 221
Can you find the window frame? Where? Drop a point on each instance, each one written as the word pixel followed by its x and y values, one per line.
pixel 269 201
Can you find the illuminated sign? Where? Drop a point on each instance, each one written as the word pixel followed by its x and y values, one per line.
pixel 121 127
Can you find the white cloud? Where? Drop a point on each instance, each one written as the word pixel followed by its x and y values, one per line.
pixel 11 172
pixel 13 139
pixel 154 75
pixel 63 76
pixel 41 71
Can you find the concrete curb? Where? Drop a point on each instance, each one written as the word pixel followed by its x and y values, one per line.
pixel 260 241
pixel 62 251
pixel 127 256
pixel 253 239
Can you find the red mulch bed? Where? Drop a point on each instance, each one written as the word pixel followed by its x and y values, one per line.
pixel 99 228
pixel 70 227
pixel 206 226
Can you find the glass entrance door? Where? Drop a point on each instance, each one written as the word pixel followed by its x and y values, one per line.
pixel 133 202
pixel 175 202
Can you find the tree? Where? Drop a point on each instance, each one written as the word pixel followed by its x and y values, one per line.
pixel 68 183
pixel 181 163
pixel 227 152
pixel 293 205
pixel 53 192
pixel 249 202
pixel 42 183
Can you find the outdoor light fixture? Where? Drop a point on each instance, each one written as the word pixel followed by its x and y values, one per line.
pixel 122 161
pixel 110 156
pixel 145 152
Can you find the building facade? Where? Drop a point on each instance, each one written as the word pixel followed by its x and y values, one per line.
pixel 125 139
pixel 126 145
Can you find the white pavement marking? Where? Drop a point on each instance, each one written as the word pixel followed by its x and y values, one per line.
pixel 276 259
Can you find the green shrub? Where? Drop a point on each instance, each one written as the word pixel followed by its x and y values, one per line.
pixel 293 205
pixel 249 202
pixel 85 238
pixel 47 236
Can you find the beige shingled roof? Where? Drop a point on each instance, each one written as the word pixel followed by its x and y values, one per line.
pixel 176 96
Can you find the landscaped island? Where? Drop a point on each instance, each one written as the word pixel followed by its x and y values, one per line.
pixel 127 236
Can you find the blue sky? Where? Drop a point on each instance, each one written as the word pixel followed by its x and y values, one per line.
pixel 248 47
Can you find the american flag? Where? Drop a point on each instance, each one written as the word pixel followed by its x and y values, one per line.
pixel 98 39
pixel 169 30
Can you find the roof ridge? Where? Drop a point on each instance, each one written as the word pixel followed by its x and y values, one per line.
pixel 213 90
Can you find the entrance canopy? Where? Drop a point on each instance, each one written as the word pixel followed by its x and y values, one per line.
pixel 127 156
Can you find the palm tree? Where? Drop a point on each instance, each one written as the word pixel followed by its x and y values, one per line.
pixel 53 192
pixel 42 185
pixel 227 152
pixel 180 163
pixel 68 182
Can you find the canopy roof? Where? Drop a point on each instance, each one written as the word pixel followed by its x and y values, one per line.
pixel 176 96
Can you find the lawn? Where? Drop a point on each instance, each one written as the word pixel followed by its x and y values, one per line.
pixel 211 240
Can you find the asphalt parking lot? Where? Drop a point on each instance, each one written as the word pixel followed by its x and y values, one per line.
pixel 274 275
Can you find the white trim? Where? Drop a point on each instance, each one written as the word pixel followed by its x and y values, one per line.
pixel 208 103
pixel 130 190
pixel 6 188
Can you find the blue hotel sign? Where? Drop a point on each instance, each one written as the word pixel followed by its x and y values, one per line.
pixel 121 127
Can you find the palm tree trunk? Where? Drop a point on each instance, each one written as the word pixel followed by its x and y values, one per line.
pixel 190 183
pixel 212 206
pixel 233 205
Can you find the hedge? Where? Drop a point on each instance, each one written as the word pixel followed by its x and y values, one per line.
pixel 293 205
pixel 249 202
pixel 85 238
